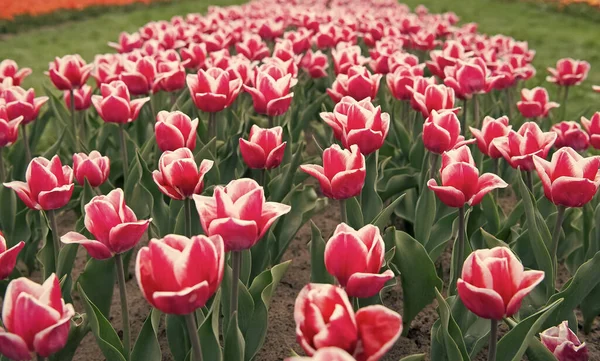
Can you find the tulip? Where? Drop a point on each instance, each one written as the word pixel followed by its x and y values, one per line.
pixel 69 72
pixel 358 123
pixel 82 96
pixel 22 103
pixel 35 319
pixel 300 39
pixel 568 72
pixel 284 50
pixel 424 40
pixel 175 130
pixel 140 75
pixel 570 134
pixel 564 344
pixel 518 148
pixel 325 318
pixel 491 129
pixel 435 97
pixel 171 277
pixel 358 83
pixel 271 92
pixel 451 53
pixel 214 89
pixel 535 103
pixel 592 127
pixel 10 70
pixel 402 80
pixel 178 176
pixel 345 57
pixel 264 148
pixel 343 173
pixel 171 76
pixel 8 257
pixel 253 48
pixel 115 105
pixel 419 85
pixel 194 56
pixel 400 59
pixel 354 258
pixel 315 64
pixel 95 168
pixel 325 354
pixel 441 132
pixel 9 128
pixel 596 88
pixel 127 42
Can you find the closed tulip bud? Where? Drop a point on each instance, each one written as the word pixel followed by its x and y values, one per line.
pixel 175 130
pixel 69 72
pixel 343 173
pixel 127 42
pixel 8 257
pixel 22 103
pixel 470 77
pixel 178 176
pixel 194 56
pixel 358 83
pixel 315 64
pixel 82 96
pixel 35 319
pixel 402 80
pixel 252 47
pixel 214 89
pixel 239 213
pixel 568 72
pixel 570 134
pixel 518 148
pixel 10 70
pixel 436 97
pixel 325 318
pixel 171 277
pixel 264 148
pixel 325 354
pixel 569 179
pixel 9 128
pixel 139 75
pixel 441 132
pixel 535 103
pixel 461 182
pixel 564 344
pixel 271 92
pixel 115 226
pixel 354 258
pixel 114 105
pixel 95 168
pixel 49 184
pixel 490 130
pixel 170 77
pixel 494 283
pixel 592 127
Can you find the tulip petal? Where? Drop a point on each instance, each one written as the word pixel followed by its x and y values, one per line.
pixel 348 183
pixel 96 249
pixel 365 285
pixel 13 346
pixel 484 302
pixel 54 338
pixel 378 329
pixel 345 255
pixel 530 279
pixel 253 154
pixel 182 302
pixel 125 236
pixel 450 196
pixel 237 234
pixel 487 182
pixel 23 193
pixel 338 331
pixel 318 172
pixel 8 259
pixel 56 198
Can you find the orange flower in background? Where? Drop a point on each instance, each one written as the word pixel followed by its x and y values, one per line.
pixel 9 9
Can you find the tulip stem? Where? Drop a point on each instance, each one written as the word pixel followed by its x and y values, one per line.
pixel 564 102
pixel 271 122
pixel 496 170
pixel 40 358
pixel 187 207
pixel 460 252
pixel 26 142
pixel 529 179
pixel 509 100
pixel 236 264
pixel 475 111
pixel 2 175
pixel 124 155
pixel 465 113
pixel 343 215
pixel 560 217
pixel 74 120
pixel 433 167
pixel 55 240
pixel 493 340
pixel 124 310
pixel 190 322
pixel 212 131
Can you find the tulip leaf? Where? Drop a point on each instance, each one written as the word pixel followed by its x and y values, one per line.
pixel 538 352
pixel 55 148
pixel 66 259
pixel 209 332
pixel 106 336
pixel 245 301
pixel 492 241
pixel 177 336
pixel 590 308
pixel 370 201
pixel 354 215
pixel 417 272
pixel 522 333
pixel 146 347
pixel 46 252
pixel 396 181
pixel 416 357
pixel 383 219
pixel 137 196
pixel 77 332
pixel 490 210
pixel 8 215
pixel 318 271
pixel 425 215
pixel 449 335
pixel 98 280
pixel 282 186
pixel 234 341
pixel 511 220
pixel 444 229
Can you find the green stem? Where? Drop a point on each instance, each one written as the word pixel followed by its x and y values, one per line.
pixel 26 143
pixel 271 122
pixel 55 240
pixel 124 155
pixel 433 161
pixel 74 120
pixel 460 252
pixel 493 340
pixel 2 174
pixel 236 265
pixel 124 309
pixel 212 131
pixel 343 215
pixel 564 102
pixel 496 170
pixel 465 113
pixel 509 100
pixel 475 111
pixel 187 204
pixel 529 179
pixel 190 322
pixel 560 217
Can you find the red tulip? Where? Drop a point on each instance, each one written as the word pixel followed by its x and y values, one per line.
pixel 461 182
pixel 114 105
pixel 592 127
pixel 264 148
pixel 175 130
pixel 271 92
pixel 424 40
pixel 271 29
pixel 470 77
pixel 9 128
pixel 49 184
pixel 325 318
pixel 83 97
pixel 400 59
pixel 193 56
pixel 171 277
pixel 315 64
pixel 435 97
pixel 419 85
pixel 343 173
pixel 36 319
pixel 518 148
pixel 345 57
pixel 568 72
pixel 569 179
pixel 95 168
pixel 252 47
pixel 178 176
pixel 139 75
pixel 402 80
pixel 171 76
pixel 535 103
pixel 69 72
pixel 214 89
pixel 493 283
pixel 564 344
pixel 127 42
pixel 21 103
pixel 239 213
pixel 511 71
pixel 325 354
pixel 490 130
pixel 570 134
pixel 354 258
pixel 359 123
pixel 8 257
pixel 115 226
pixel 358 83
pixel 300 39
pixel 451 53
pixel 441 132
pixel 10 70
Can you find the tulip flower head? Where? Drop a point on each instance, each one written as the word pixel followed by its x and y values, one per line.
pixel 518 148
pixel 93 167
pixel 358 83
pixel 564 344
pixel 441 132
pixel 82 96
pixel 345 57
pixel 9 128
pixel 178 176
pixel 401 81
pixel 214 89
pixel 127 42
pixel 470 77
pixel 315 64
pixel 69 72
pixel 271 91
pixel 175 130
pixel 325 354
pixel 115 105
pixel 490 130
pixel 592 127
pixel 436 97
pixel 535 103
pixel 22 103
pixel 570 134
pixel 252 47
pixel 8 257
pixel 264 148
pixel 10 70
pixel 194 56
pixel 493 283
pixel 568 72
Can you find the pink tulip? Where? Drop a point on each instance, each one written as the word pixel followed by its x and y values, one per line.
pixel 493 283
pixel 325 354
pixel 82 96
pixel 8 257
pixel 115 226
pixel 10 70
pixel 114 105
pixel 194 56
pixel 95 168
pixel 435 97
pixel 420 84
pixel 424 40
pixel 354 258
pixel 564 344
pixel 171 76
pixel 461 182
pixel 451 53
pixel 127 42
pixel 359 123
pixel 345 57
pixel 49 184
pixel 214 89
pixel 284 50
pixel 569 179
pixel 592 127
pixel 69 72
pixel 9 128
pixel 21 103
pixel 490 130
pixel 271 92
pixel 358 83
pixel 175 130
pixel 402 80
pixel 177 275
pixel 239 213
pixel 441 132
pixel 596 88
pixel 400 59
pixel 535 103
pixel 300 39
pixel 518 148
pixel 139 75
pixel 325 318
pixel 178 176
pixel 264 148
pixel 570 134
pixel 315 64
pixel 253 48
pixel 469 77
pixel 568 72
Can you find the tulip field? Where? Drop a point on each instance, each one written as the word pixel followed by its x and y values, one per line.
pixel 327 180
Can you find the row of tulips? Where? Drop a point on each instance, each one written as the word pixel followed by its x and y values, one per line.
pixel 213 113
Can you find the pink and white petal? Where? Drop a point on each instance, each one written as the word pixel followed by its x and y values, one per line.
pixel 182 302
pixel 484 302
pixel 22 190
pixel 378 329
pixel 345 255
pixel 96 249
pixel 487 183
pixel 13 346
pixel 54 338
pixel 56 198
pixel 125 236
pixel 450 196
pixel 237 234
pixel 530 280
pixel 365 285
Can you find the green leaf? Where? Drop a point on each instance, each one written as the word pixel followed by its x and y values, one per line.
pixel 286 182
pixel 451 340
pixel 424 215
pixel 234 341
pixel 444 229
pixel 490 210
pixel 98 282
pixel 492 241
pixel 538 352
pixel 146 347
pixel 177 337
pixel 66 259
pixel 383 218
pixel 590 308
pixel 354 216
pixel 55 148
pixel 318 272
pixel 209 332
pixel 370 201
pixel 417 357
